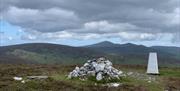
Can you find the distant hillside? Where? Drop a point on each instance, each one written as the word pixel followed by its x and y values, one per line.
pixel 45 53
pixel 168 49
pixel 103 44
pixel 138 53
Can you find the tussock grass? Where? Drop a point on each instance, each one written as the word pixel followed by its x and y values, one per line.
pixel 169 78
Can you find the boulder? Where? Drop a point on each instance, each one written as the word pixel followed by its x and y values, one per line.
pixel 99 76
pixel 100 67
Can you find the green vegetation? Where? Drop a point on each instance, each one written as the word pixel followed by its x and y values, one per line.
pixel 44 58
pixel 130 54
pixel 168 79
pixel 170 72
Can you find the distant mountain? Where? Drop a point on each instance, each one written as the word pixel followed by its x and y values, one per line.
pixel 47 53
pixel 103 44
pixel 61 54
pixel 168 49
pixel 129 51
pixel 129 48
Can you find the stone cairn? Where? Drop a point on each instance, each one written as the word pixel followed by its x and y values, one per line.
pixel 100 68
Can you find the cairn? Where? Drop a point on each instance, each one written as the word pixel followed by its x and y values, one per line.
pixel 100 68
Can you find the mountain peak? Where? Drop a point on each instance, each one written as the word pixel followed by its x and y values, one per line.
pixel 105 42
pixel 102 44
pixel 129 44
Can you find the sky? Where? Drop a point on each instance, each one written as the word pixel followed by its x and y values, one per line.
pixel 84 22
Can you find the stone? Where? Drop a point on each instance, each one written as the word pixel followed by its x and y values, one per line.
pixel 94 64
pixel 77 68
pixel 113 84
pixel 99 76
pixel 17 78
pixel 99 68
pixel 149 81
pixel 100 59
pixel 108 63
pixel 91 73
pixel 37 77
pixel 23 81
pixel 120 72
pixel 86 64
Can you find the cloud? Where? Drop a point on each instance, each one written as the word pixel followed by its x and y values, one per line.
pixel 48 20
pixel 174 17
pixel 4 37
pixel 61 35
pixel 138 20
pixel 102 27
pixel 137 36
pixel 106 27
pixel 176 38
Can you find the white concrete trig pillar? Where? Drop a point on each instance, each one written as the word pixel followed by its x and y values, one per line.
pixel 152 67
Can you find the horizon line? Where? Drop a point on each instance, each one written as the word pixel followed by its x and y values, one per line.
pixel 86 44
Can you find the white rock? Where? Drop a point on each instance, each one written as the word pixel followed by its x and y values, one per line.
pixel 22 81
pixel 99 76
pixel 99 67
pixel 77 68
pixel 108 63
pixel 17 78
pixel 37 77
pixel 120 72
pixel 96 67
pixel 86 64
pixel 100 59
pixel 94 64
pixel 89 61
pixel 74 73
pixel 113 84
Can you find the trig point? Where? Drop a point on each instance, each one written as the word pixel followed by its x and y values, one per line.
pixel 152 67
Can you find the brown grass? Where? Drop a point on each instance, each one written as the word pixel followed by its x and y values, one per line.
pixel 8 71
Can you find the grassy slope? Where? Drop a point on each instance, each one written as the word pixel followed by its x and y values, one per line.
pixel 48 53
pixel 169 79
pixel 62 54
pixel 45 58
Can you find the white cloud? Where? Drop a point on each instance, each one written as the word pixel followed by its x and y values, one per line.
pixel 101 27
pixel 176 38
pixel 52 19
pixel 105 26
pixel 137 36
pixel 174 17
pixel 10 38
pixel 123 31
pixel 137 20
pixel 58 35
pixel 28 37
pixel 35 35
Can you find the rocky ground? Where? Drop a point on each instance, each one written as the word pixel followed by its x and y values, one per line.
pixel 134 79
